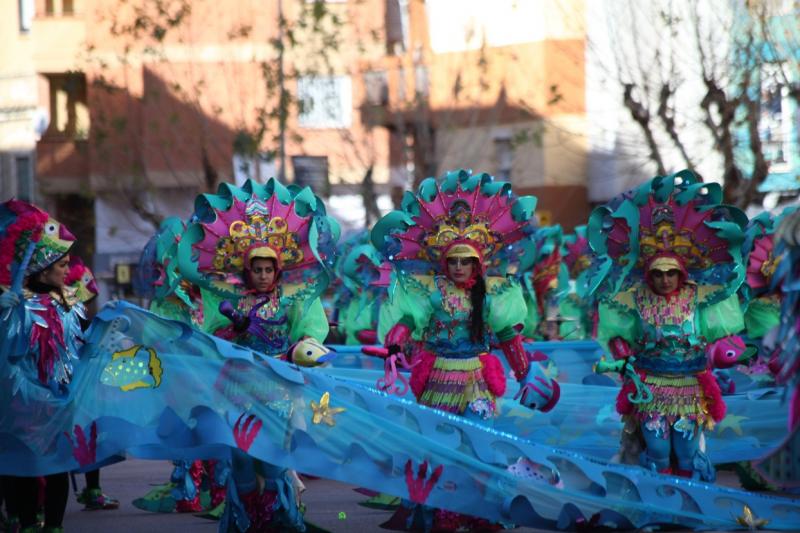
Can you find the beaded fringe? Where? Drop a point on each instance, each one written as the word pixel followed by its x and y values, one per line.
pixel 455 383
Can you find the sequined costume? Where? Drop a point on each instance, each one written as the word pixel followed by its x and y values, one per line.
pixel 229 232
pixel 430 315
pixel 674 226
pixel 40 337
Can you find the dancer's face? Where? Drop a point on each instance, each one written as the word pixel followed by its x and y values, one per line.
pixel 460 269
pixel 262 274
pixel 665 282
pixel 56 274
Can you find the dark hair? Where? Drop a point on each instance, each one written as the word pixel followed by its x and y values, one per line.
pixel 34 285
pixel 477 331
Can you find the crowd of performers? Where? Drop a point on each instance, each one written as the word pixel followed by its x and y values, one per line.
pixel 687 298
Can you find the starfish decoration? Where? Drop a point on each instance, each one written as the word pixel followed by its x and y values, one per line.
pixel 749 520
pixel 732 422
pixel 323 412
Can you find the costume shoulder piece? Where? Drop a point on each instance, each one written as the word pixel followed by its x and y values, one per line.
pixel 289 225
pixel 459 208
pixel 675 216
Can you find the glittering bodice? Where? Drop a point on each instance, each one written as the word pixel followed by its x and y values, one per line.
pixel 268 331
pixel 670 343
pixel 447 333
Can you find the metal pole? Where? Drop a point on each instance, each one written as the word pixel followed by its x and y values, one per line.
pixel 282 111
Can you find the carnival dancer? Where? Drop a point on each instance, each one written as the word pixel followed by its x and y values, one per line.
pixel 266 251
pixel 448 245
pixel 81 282
pixel 761 294
pixel 670 315
pixel 367 275
pixel 544 285
pixel 577 310
pixel 39 340
pixel 159 280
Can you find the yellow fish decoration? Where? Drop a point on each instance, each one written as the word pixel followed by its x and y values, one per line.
pixel 323 412
pixel 310 352
pixel 137 367
pixel 749 520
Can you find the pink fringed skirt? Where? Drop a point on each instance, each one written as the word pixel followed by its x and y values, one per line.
pixel 694 397
pixel 455 384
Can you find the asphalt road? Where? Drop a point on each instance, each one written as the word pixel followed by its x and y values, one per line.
pixel 133 478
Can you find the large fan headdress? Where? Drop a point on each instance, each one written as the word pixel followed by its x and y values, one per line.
pixel 460 208
pixel 576 252
pixel 363 266
pixel 158 276
pixel 237 224
pixel 759 249
pixel 676 217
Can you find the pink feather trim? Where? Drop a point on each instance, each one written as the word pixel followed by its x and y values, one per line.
pixel 48 339
pixel 29 219
pixel 713 395
pixel 421 372
pixel 494 374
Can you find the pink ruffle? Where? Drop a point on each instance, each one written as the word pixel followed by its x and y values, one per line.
pixel 227 333
pixel 421 372
pixel 713 395
pixel 259 510
pixel 494 374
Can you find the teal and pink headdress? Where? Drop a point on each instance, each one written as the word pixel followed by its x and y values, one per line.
pixel 549 278
pixel 30 241
pixel 576 252
pixel 158 276
pixel 237 224
pixel 364 267
pixel 761 255
pixel 676 219
pixel 470 213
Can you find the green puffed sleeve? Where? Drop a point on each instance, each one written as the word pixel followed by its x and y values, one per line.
pixel 359 317
pixel 310 322
pixel 212 318
pixel 531 323
pixel 721 319
pixel 409 302
pixel 618 318
pixel 506 307
pixel 762 315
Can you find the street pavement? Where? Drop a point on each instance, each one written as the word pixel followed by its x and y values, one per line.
pixel 131 479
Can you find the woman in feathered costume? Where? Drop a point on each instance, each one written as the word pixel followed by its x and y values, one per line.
pixel 81 283
pixel 40 336
pixel 159 280
pixel 670 314
pixel 451 246
pixel 265 251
